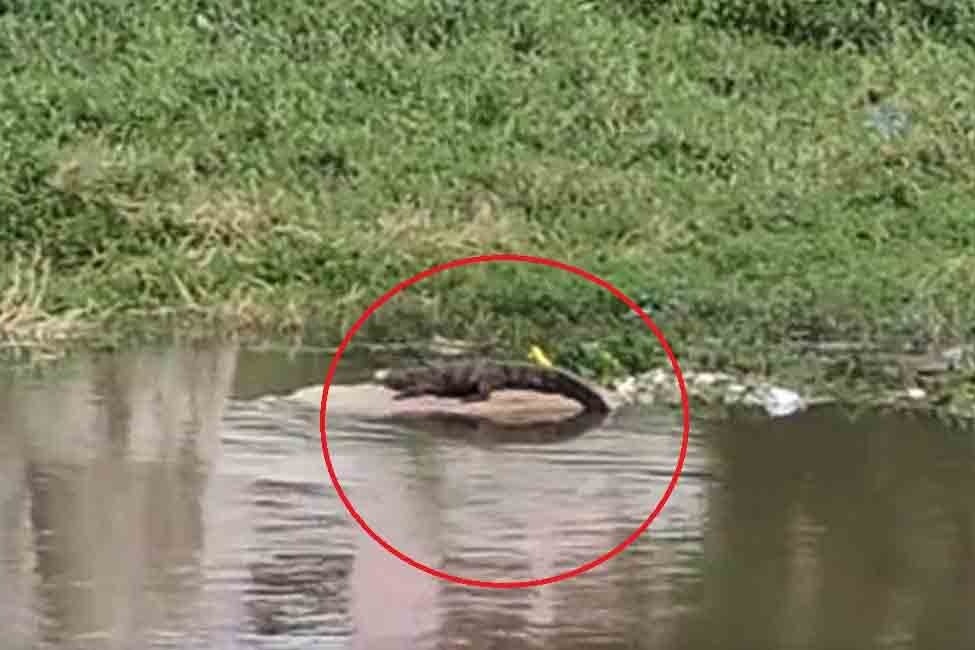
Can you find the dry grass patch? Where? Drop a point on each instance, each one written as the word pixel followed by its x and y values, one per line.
pixel 478 227
pixel 26 326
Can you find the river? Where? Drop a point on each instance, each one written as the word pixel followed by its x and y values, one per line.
pixel 177 498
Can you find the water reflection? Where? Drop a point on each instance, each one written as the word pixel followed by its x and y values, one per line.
pixel 851 534
pixel 148 500
pixel 103 472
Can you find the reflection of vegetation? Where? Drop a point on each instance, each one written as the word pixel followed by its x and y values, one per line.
pixel 830 531
pixel 272 168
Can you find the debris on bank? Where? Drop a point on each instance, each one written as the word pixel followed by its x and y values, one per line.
pixel 659 386
pixel 942 384
pixel 939 382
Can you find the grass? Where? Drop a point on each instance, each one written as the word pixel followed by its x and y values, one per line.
pixel 270 169
pixel 24 325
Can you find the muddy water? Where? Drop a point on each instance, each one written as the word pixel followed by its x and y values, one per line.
pixel 164 499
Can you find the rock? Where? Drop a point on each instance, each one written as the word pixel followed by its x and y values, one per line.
pixel 705 379
pixel 777 402
pixel 955 357
pixel 915 393
pixel 504 407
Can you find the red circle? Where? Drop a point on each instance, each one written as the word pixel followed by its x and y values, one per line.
pixel 514 584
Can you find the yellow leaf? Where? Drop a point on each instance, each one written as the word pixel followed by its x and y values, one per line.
pixel 536 355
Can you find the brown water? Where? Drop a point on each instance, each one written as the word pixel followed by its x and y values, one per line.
pixel 155 500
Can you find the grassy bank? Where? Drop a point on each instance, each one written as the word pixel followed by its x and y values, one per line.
pixel 272 168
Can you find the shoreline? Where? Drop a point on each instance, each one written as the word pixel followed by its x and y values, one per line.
pixel 761 184
pixel 941 385
pixel 714 391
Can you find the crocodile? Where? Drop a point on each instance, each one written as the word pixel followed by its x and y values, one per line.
pixel 475 380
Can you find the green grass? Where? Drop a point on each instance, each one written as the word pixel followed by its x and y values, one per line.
pixel 272 168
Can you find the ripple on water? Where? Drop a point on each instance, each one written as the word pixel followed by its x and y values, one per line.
pixel 515 512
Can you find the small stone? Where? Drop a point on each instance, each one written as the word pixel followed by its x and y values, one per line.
pixel 954 356
pixel 711 378
pixel 628 389
pixel 736 389
pixel 777 402
pixel 645 397
pixel 659 376
pixel 915 393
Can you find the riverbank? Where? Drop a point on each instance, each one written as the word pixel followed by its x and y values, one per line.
pixel 267 172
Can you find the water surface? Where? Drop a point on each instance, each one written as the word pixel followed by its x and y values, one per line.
pixel 174 499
